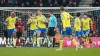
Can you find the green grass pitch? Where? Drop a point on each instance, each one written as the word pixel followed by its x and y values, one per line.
pixel 29 51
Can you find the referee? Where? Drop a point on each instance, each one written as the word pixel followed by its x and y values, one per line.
pixel 52 23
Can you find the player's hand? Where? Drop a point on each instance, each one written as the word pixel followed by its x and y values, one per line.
pixel 42 20
pixel 55 29
pixel 5 23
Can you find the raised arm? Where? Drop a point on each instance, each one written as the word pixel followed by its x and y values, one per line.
pixel 71 17
pixel 45 20
pixel 29 21
pixel 5 22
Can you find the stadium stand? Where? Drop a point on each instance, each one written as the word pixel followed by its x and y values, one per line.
pixel 49 3
pixel 95 3
pixel 85 3
pixel 39 3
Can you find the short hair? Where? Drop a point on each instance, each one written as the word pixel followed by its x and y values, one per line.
pixel 85 14
pixel 62 8
pixel 12 13
pixel 78 14
pixel 40 10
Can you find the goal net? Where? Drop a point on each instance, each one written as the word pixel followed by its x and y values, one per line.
pixel 22 12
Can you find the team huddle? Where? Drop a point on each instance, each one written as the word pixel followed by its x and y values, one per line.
pixel 37 26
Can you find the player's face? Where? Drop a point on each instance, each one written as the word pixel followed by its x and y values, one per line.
pixel 49 14
pixel 12 14
pixel 39 12
pixel 33 15
pixel 84 16
pixel 19 19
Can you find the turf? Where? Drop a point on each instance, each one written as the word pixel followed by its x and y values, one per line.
pixel 29 51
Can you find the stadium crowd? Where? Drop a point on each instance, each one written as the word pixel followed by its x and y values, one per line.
pixel 95 3
pixel 37 3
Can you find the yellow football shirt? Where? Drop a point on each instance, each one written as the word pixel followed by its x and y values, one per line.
pixel 40 23
pixel 11 22
pixel 65 17
pixel 33 23
pixel 77 24
pixel 86 23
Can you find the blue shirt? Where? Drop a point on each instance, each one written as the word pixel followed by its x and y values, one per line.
pixel 52 21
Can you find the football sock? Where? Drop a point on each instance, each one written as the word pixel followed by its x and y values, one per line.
pixel 38 41
pixel 10 41
pixel 74 41
pixel 34 40
pixel 53 42
pixel 86 40
pixel 14 42
pixel 61 44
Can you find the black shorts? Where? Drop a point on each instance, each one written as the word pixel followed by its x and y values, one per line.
pixel 19 34
pixel 51 31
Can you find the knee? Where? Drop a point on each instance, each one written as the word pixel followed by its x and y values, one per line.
pixel 34 34
pixel 39 33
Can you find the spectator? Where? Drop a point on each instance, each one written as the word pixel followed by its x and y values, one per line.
pixel 95 3
pixel 22 5
pixel 9 4
pixel 50 5
pixel 64 3
pixel 72 4
pixel 41 5
pixel 2 3
pixel 27 4
pixel 56 4
pixel 35 4
pixel 16 3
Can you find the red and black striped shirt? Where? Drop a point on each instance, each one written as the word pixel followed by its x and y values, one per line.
pixel 19 26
